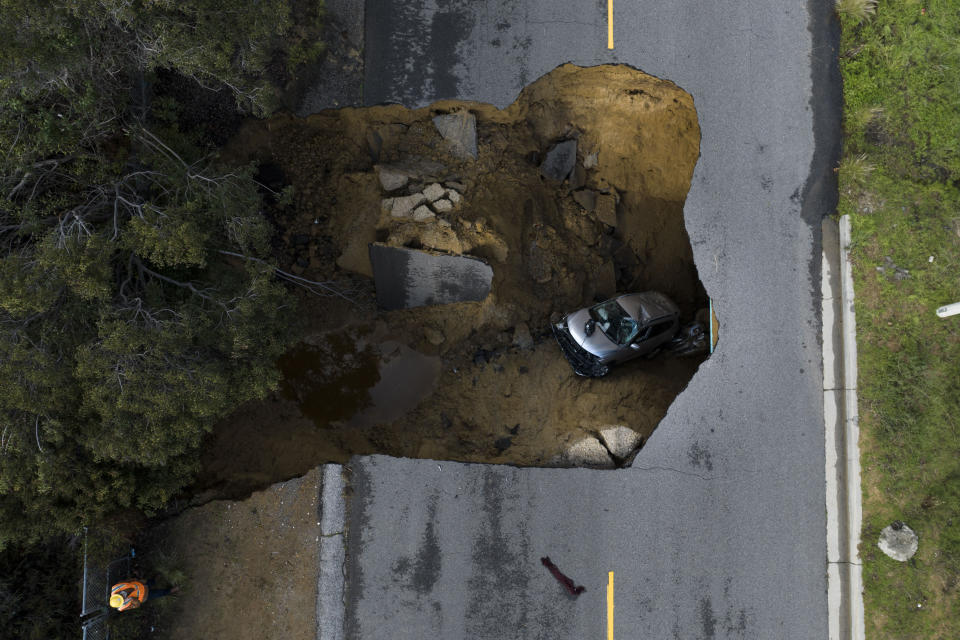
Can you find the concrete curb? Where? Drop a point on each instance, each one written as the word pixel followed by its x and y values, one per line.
pixel 844 510
pixel 331 554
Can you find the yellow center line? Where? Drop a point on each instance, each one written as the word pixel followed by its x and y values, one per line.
pixel 610 603
pixel 609 24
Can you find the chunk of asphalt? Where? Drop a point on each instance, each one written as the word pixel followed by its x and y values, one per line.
pixel 405 278
pixel 460 131
pixel 560 160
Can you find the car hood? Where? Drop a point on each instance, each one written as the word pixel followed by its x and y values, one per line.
pixel 597 344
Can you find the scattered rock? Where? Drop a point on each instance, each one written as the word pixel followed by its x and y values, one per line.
pixel 621 441
pixel 443 205
pixel 392 178
pixel 522 337
pixel 560 160
pixel 460 130
pixel 457 186
pixel 898 541
pixel 454 196
pixel 402 206
pixel 592 160
pixel 586 199
pixel 422 213
pixel 606 209
pixel 589 453
pixel 374 144
pixel 434 192
pixel 433 336
pixel 578 177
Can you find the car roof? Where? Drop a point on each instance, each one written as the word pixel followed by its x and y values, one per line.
pixel 647 306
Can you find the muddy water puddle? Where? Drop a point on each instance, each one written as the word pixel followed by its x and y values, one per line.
pixel 345 383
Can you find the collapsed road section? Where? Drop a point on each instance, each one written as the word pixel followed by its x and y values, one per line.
pixel 569 196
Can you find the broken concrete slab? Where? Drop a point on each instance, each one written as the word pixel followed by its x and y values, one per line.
pixel 454 196
pixel 392 178
pixel 443 205
pixel 606 209
pixel 586 199
pixel 589 453
pixel 423 213
pixel 560 160
pixel 434 192
pixel 460 131
pixel 403 206
pixel 407 278
pixel 621 441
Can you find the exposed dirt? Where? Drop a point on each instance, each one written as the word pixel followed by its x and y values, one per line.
pixel 469 381
pixel 249 569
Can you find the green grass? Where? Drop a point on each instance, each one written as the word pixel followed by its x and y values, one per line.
pixel 900 182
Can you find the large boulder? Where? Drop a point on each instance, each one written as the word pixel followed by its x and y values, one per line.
pixel 898 541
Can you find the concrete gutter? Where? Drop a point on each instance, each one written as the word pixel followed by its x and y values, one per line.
pixel 332 553
pixel 844 510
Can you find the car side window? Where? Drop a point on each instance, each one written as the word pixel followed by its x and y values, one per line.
pixel 659 328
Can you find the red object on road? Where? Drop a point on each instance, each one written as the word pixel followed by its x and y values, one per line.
pixel 562 579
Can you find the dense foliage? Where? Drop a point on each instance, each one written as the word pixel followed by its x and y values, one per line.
pixel 137 299
pixel 37 595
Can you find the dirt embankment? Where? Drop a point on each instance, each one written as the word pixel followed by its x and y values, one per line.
pixel 470 381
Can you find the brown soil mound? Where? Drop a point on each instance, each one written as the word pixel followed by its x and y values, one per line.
pixel 482 381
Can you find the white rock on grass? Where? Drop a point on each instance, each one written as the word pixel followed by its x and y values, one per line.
pixel 434 192
pixel 898 541
pixel 443 205
pixel 422 213
pixel 453 196
pixel 402 206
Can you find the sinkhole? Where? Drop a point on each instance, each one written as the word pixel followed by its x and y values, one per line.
pixel 570 195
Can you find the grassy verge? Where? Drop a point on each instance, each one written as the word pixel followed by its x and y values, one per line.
pixel 900 182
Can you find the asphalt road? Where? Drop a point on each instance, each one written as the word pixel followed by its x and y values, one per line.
pixel 718 529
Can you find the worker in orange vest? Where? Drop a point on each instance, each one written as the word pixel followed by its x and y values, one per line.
pixel 130 594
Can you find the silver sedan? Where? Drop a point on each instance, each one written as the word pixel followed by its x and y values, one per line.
pixel 616 330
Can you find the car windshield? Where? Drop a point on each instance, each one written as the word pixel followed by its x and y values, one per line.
pixel 615 322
